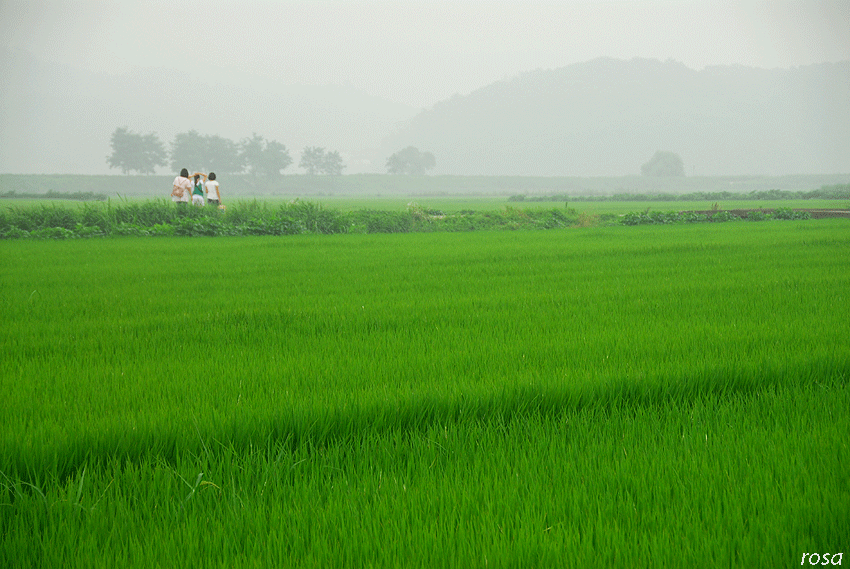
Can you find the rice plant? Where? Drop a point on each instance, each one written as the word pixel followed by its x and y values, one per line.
pixel 650 396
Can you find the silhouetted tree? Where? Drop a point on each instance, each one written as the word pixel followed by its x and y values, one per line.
pixel 311 159
pixel 332 164
pixel 133 152
pixel 664 163
pixel 410 161
pixel 210 153
pixel 188 150
pixel 316 160
pixel 264 158
pixel 222 155
pixel 251 152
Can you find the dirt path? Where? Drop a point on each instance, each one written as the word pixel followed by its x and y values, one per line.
pixel 744 213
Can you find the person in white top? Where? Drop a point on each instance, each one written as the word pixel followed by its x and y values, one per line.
pixel 211 189
pixel 182 187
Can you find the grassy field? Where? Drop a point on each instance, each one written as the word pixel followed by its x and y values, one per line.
pixel 643 396
pixel 474 203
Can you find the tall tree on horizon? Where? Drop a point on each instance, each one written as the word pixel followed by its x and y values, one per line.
pixel 410 161
pixel 664 163
pixel 317 160
pixel 311 159
pixel 188 150
pixel 134 152
pixel 222 155
pixel 264 157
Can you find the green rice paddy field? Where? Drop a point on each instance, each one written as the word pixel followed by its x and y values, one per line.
pixel 653 396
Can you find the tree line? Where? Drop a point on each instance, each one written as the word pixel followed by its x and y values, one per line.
pixel 834 192
pixel 143 153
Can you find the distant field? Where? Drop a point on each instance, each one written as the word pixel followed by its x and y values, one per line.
pixel 652 396
pixel 470 203
pixel 382 185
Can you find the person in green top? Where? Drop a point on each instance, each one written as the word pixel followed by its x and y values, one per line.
pixel 198 192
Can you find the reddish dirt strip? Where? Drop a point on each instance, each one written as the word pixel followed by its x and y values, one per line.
pixel 744 213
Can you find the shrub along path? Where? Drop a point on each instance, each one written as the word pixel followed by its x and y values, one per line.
pixel 746 213
pixel 161 218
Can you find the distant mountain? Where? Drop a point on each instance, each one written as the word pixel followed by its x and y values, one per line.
pixel 607 117
pixel 58 119
pixel 604 117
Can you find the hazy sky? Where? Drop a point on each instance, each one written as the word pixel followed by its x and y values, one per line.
pixel 418 52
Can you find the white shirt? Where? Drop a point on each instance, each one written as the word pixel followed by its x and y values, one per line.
pixel 212 190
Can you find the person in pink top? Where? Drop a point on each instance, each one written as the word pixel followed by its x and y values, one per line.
pixel 182 188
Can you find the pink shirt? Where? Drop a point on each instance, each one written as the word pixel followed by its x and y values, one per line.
pixel 181 190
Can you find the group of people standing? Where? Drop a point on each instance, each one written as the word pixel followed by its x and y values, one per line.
pixel 206 193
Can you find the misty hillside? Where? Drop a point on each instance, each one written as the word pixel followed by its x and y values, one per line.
pixel 604 117
pixel 608 117
pixel 58 119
